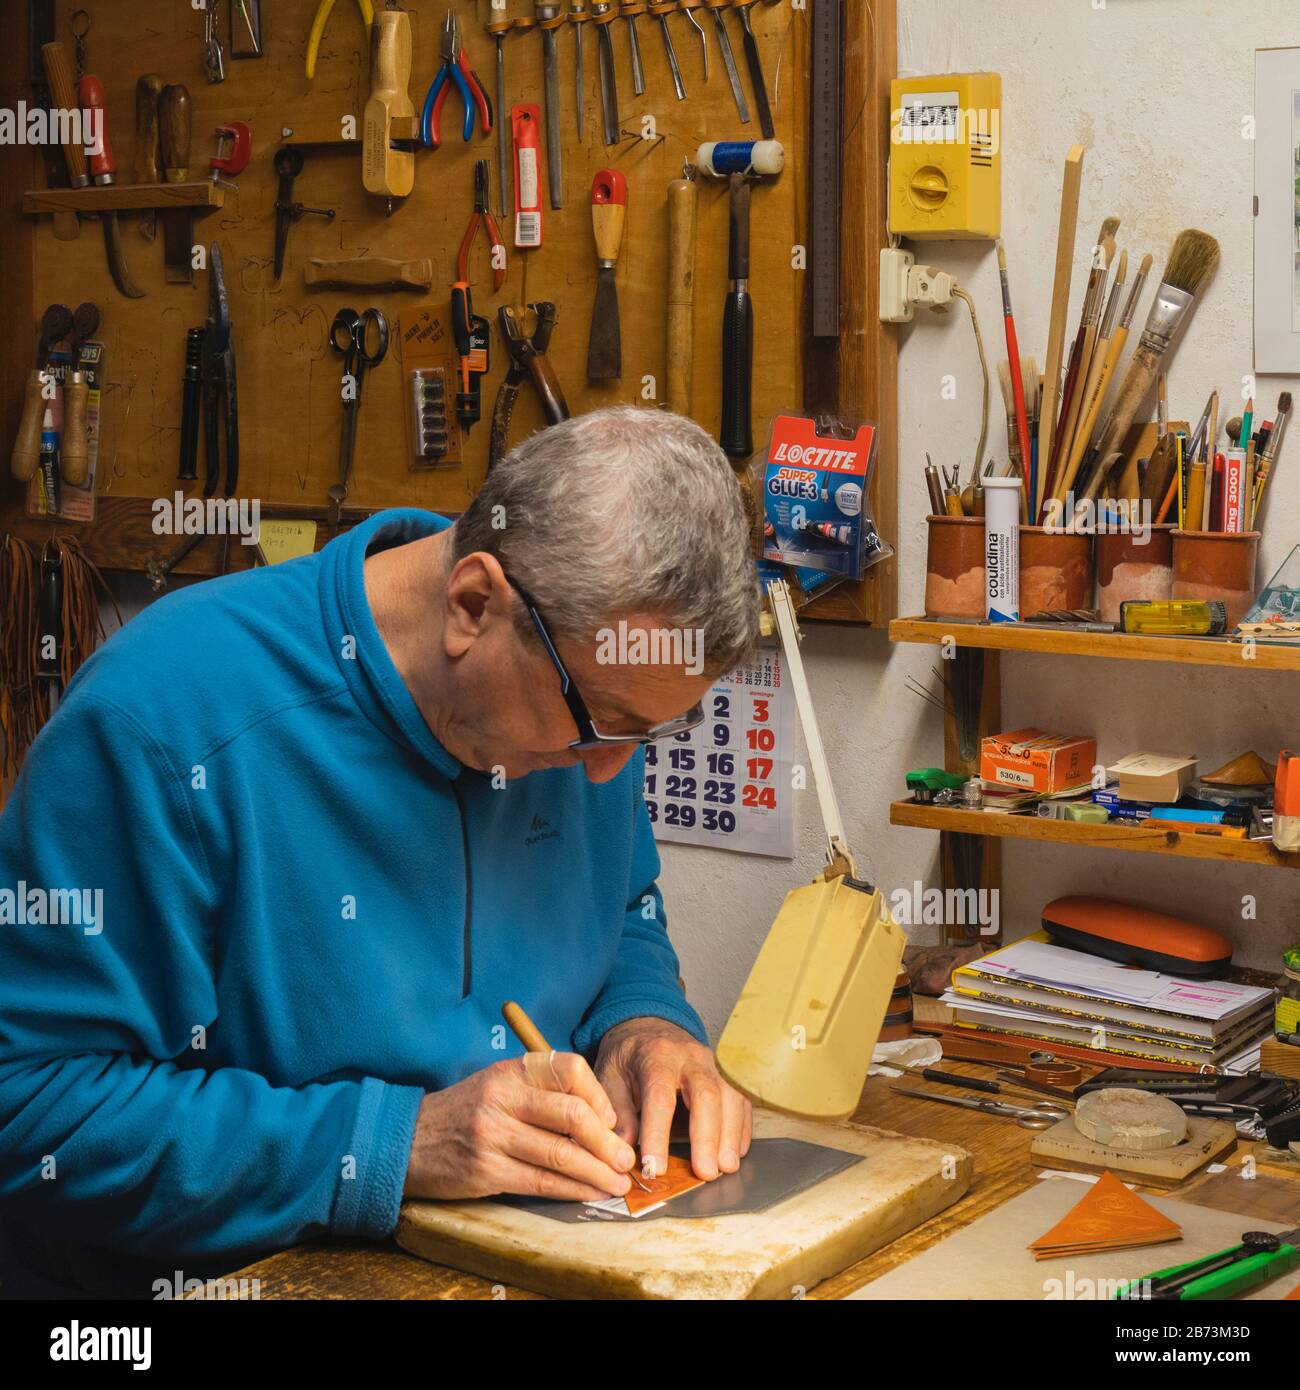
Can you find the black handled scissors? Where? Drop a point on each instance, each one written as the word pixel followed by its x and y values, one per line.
pixel 362 340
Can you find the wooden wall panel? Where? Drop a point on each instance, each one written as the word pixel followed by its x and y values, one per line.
pixel 289 378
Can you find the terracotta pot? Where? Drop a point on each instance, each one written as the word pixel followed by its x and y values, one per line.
pixel 954 569
pixel 1055 570
pixel 1217 565
pixel 1127 568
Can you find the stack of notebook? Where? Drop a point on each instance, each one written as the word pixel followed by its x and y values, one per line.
pixel 1055 995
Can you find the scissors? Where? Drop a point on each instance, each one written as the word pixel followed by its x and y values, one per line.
pixel 362 340
pixel 1043 1114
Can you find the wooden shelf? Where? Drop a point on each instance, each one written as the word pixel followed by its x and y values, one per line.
pixel 126 197
pixel 1118 646
pixel 1137 838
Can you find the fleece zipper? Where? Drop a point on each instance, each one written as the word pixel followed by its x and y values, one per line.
pixel 466 943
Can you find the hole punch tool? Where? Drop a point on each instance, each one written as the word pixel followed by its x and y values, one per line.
pixel 455 70
pixel 527 354
pixel 482 216
pixel 362 341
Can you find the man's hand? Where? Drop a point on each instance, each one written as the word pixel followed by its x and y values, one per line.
pixel 644 1064
pixel 497 1132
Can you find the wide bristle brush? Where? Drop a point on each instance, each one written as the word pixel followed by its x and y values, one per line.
pixel 1192 257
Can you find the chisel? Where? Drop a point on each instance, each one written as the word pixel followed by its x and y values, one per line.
pixel 661 11
pixel 755 70
pixel 715 8
pixel 578 16
pixel 603 13
pixel 58 74
pixel 608 211
pixel 548 19
pixel 103 171
pixel 148 167
pixel 175 125
pixel 629 9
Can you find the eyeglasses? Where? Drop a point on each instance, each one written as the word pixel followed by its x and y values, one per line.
pixel 588 735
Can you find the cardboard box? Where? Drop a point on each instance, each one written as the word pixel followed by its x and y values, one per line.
pixel 1159 778
pixel 1037 761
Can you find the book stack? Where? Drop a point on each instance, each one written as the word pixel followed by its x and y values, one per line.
pixel 1055 995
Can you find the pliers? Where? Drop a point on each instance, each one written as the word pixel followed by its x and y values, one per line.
pixel 318 29
pixel 493 233
pixel 455 65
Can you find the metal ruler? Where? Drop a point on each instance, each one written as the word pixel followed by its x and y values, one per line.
pixel 824 136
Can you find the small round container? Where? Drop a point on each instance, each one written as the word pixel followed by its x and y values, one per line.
pixel 1217 565
pixel 1055 570
pixel 1131 567
pixel 954 568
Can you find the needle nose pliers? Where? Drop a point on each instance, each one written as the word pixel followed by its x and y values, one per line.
pixel 455 69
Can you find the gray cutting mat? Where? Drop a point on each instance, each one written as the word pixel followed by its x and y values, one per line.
pixel 989 1260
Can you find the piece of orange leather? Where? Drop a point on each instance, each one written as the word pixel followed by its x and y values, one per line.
pixel 1108 1217
pixel 678 1179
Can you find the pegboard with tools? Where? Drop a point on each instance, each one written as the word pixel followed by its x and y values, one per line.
pixel 456 169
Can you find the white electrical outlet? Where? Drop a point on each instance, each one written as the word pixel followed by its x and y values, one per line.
pixel 895 267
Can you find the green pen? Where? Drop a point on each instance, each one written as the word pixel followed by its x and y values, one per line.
pixel 1261 1257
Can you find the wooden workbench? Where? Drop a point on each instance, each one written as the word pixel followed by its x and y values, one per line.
pixel 1003 1169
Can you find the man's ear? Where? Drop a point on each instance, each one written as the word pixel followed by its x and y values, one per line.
pixel 475 595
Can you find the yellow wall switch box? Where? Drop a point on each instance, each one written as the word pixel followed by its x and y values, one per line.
pixel 945 165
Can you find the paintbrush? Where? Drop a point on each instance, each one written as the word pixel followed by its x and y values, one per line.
pixel 1014 424
pixel 1065 234
pixel 1013 377
pixel 1086 340
pixel 1032 384
pixel 1114 351
pixel 1192 257
pixel 1265 470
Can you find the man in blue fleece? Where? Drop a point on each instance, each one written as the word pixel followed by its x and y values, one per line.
pixel 336 812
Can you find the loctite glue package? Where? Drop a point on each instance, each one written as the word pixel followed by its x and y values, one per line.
pixel 814 496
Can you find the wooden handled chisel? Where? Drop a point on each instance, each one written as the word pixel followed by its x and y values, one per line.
pixel 608 211
pixel 148 161
pixel 175 124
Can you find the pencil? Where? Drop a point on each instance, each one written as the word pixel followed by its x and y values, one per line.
pixel 524 1028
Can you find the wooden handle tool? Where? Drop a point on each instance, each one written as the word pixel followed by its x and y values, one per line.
pixel 148 148
pixel 370 273
pixel 524 1028
pixel 608 212
pixel 386 171
pixel 74 447
pixel 56 323
pixel 58 73
pixel 1065 235
pixel 176 125
pixel 683 201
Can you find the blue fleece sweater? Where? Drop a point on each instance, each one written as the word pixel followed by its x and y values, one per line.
pixel 311 914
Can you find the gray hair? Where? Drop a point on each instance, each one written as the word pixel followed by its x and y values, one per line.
pixel 623 511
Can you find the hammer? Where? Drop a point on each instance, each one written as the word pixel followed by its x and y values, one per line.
pixel 738 161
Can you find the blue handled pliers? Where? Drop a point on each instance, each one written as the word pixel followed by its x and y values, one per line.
pixel 455 69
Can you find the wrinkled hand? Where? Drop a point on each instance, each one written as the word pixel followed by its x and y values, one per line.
pixel 497 1132
pixel 644 1064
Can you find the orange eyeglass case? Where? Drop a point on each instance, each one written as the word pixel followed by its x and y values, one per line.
pixel 1136 936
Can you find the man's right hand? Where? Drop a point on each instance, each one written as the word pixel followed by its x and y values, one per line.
pixel 497 1132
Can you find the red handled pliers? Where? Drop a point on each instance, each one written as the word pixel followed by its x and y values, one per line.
pixel 455 69
pixel 482 215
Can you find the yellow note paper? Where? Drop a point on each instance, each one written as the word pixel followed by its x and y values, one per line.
pixel 287 540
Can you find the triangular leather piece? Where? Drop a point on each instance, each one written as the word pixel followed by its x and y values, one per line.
pixel 677 1179
pixel 1107 1217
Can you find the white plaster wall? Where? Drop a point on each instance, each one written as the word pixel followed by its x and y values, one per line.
pixel 1156 91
